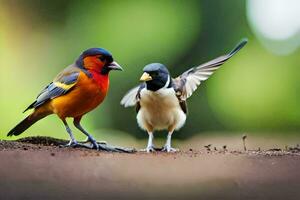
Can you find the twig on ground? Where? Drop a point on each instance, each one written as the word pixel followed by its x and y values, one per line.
pixel 244 142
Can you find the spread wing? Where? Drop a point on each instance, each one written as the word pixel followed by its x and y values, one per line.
pixel 132 97
pixel 62 84
pixel 189 81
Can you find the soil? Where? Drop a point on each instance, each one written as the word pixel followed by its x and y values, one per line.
pixel 38 168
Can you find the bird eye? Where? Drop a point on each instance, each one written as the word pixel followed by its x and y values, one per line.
pixel 101 58
pixel 154 73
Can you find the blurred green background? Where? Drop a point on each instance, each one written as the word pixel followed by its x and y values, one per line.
pixel 258 90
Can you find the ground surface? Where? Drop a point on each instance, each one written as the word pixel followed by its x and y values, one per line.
pixel 36 168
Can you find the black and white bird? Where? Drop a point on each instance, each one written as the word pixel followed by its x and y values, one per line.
pixel 161 100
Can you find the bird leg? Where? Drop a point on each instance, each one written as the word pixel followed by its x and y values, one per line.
pixel 73 142
pixel 99 145
pixel 168 147
pixel 89 136
pixel 150 145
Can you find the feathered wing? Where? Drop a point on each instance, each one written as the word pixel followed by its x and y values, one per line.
pixel 132 97
pixel 189 81
pixel 62 84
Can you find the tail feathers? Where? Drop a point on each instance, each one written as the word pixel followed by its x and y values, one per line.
pixel 23 125
pixel 30 106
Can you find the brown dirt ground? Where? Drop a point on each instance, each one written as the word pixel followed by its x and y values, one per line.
pixel 36 168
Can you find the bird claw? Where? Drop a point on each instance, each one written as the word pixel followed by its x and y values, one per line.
pixel 148 149
pixel 75 144
pixel 88 140
pixel 99 146
pixel 95 145
pixel 72 143
pixel 93 142
pixel 169 149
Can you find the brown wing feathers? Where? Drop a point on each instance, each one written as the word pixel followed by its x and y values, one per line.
pixel 188 82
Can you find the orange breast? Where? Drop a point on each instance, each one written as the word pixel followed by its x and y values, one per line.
pixel 86 95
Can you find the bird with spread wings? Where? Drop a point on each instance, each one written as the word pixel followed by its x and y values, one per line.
pixel 160 100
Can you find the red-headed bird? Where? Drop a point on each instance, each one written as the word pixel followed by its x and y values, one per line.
pixel 161 100
pixel 75 91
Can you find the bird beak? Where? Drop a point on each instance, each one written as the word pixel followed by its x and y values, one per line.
pixel 145 77
pixel 115 66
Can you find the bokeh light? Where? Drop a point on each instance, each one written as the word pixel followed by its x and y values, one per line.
pixel 276 23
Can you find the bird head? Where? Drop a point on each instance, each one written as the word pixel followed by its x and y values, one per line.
pixel 156 76
pixel 97 59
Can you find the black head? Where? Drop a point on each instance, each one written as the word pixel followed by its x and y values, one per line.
pixel 97 58
pixel 156 76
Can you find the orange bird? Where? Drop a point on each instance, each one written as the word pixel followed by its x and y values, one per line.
pixel 75 91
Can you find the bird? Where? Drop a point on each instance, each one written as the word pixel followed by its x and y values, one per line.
pixel 161 101
pixel 75 91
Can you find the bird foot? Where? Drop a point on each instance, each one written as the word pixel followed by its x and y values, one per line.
pixel 169 149
pixel 88 141
pixel 75 144
pixel 72 143
pixel 95 145
pixel 99 146
pixel 148 149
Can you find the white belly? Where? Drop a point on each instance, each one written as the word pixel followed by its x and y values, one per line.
pixel 160 110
